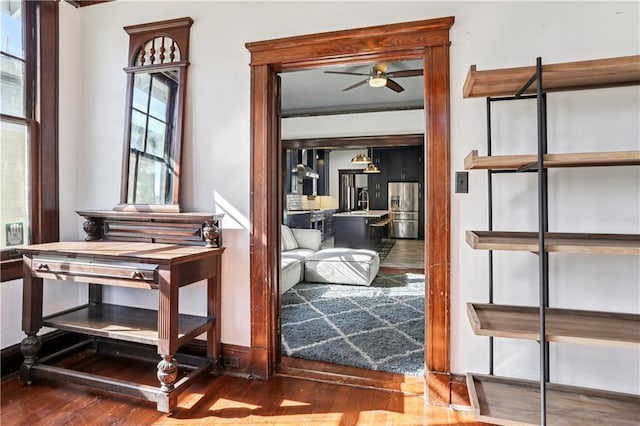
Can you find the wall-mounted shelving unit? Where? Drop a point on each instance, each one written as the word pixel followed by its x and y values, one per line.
pixel 503 400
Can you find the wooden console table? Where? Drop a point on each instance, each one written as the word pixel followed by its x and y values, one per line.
pixel 151 266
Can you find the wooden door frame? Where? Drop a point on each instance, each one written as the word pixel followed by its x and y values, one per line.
pixel 427 40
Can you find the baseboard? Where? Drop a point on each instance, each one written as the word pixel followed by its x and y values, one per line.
pixel 236 359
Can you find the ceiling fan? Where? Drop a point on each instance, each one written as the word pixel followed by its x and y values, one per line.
pixel 379 77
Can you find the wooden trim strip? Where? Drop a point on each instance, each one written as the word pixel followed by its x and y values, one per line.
pixel 355 141
pixel 338 46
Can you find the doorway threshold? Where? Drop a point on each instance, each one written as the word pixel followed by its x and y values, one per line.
pixel 350 376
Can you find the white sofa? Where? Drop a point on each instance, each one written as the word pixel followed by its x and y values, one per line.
pixel 342 266
pixel 296 246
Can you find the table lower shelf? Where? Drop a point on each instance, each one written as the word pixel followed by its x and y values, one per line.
pixel 508 401
pixel 124 323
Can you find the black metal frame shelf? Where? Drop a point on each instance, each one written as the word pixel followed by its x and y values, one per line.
pixel 481 84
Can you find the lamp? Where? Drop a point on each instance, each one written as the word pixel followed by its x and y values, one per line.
pixel 360 158
pixel 377 78
pixel 371 168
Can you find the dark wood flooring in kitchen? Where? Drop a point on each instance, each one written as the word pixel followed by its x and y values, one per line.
pixel 216 400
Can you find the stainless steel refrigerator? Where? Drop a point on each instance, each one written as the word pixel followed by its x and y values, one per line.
pixel 403 209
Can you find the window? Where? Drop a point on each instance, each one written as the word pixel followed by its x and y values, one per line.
pixel 28 128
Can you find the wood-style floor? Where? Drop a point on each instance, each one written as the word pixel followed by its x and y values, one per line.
pixel 405 254
pixel 215 400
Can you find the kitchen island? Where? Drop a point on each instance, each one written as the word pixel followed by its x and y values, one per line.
pixel 360 229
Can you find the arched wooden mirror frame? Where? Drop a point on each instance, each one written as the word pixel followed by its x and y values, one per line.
pixel 157 49
pixel 427 40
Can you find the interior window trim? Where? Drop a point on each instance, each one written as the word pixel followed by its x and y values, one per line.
pixel 41 94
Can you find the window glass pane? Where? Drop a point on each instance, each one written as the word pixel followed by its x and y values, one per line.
pixel 14 181
pixel 159 99
pixel 141 91
pixel 12 86
pixel 155 137
pixel 11 27
pixel 138 129
pixel 151 182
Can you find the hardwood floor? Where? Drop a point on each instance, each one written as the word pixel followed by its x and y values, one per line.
pixel 405 254
pixel 211 400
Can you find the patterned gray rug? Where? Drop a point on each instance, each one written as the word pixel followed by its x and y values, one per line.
pixel 380 327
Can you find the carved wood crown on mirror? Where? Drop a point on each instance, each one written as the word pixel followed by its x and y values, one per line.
pixel 149 208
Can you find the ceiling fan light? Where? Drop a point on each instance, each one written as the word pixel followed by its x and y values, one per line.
pixel 371 168
pixel 377 81
pixel 360 158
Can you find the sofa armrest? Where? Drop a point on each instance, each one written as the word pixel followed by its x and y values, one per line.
pixel 308 238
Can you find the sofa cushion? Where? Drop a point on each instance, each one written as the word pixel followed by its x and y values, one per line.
pixel 291 273
pixel 308 238
pixel 297 254
pixel 288 241
pixel 342 266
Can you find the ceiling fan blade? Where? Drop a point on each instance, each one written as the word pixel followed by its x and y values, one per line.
pixel 345 73
pixel 394 86
pixel 353 86
pixel 405 73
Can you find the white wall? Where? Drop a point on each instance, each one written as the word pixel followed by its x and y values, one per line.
pixel 57 295
pixel 360 124
pixel 503 34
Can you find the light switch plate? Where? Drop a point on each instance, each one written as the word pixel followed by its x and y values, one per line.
pixel 462 182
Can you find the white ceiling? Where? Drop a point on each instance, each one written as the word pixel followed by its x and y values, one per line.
pixel 316 92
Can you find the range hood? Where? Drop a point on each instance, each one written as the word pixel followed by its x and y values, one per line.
pixel 302 170
pixel 305 172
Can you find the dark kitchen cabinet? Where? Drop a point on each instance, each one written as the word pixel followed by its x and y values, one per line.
pixel 377 182
pixel 298 220
pixel 405 164
pixel 329 224
pixel 318 160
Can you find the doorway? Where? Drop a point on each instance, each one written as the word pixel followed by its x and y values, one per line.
pixel 427 40
pixel 377 327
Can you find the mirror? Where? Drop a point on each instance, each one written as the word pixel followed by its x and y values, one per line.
pixel 156 84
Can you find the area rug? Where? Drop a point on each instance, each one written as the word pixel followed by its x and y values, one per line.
pixel 380 327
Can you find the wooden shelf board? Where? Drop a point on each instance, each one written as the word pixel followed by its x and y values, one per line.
pixel 624 244
pixel 619 330
pixel 593 74
pixel 507 401
pixel 582 159
pixel 121 322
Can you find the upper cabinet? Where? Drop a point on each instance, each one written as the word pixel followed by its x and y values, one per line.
pixel 405 164
pixel 324 174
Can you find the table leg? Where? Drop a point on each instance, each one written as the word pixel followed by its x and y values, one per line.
pixel 214 294
pixel 167 375
pixel 167 340
pixel 31 320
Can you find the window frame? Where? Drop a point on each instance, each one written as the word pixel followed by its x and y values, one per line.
pixel 40 35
